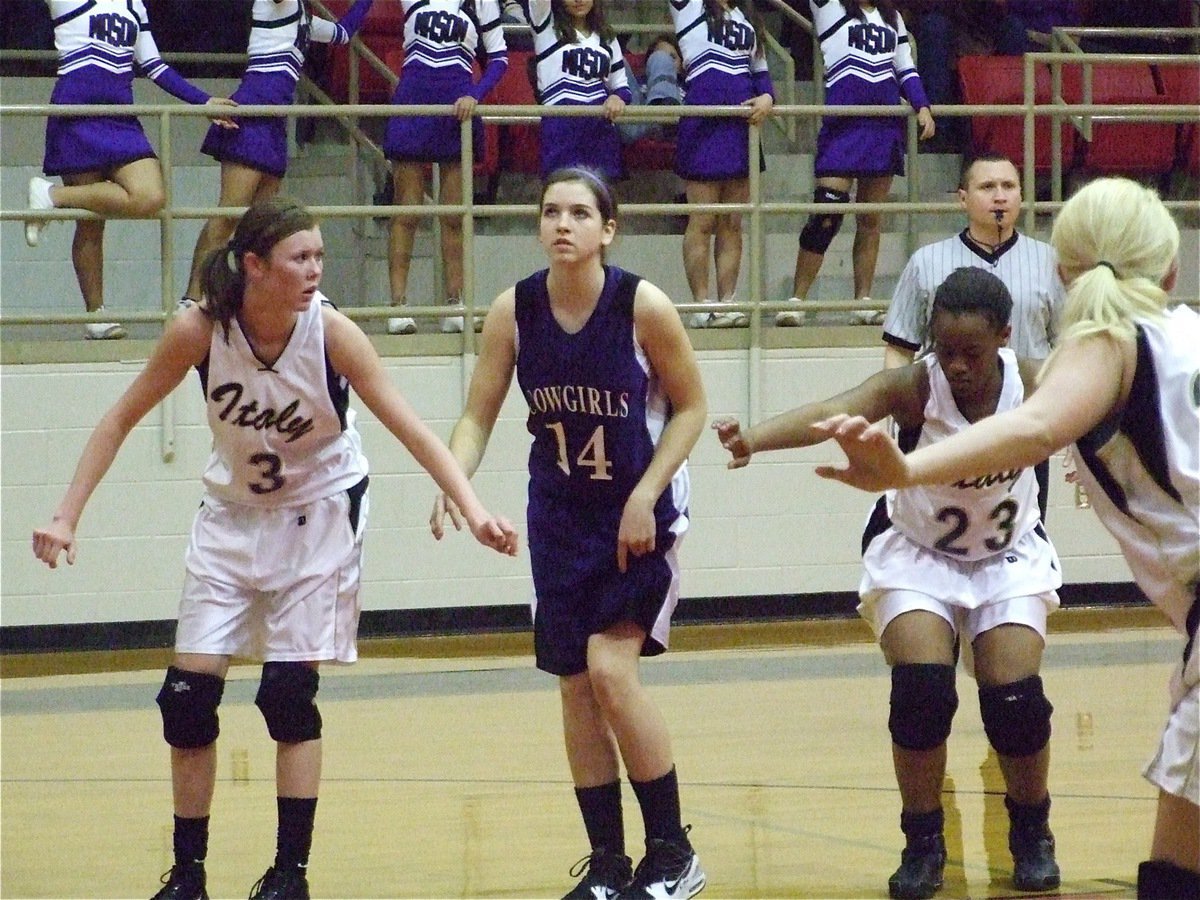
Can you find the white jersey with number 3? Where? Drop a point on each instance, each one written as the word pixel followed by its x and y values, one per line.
pixel 283 434
pixel 973 518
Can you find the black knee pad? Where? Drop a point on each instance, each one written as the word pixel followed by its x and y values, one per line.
pixel 286 697
pixel 1016 716
pixel 1161 880
pixel 821 227
pixel 188 702
pixel 923 703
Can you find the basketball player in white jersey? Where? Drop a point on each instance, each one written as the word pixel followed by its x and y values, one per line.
pixel 1123 386
pixel 275 552
pixel 963 561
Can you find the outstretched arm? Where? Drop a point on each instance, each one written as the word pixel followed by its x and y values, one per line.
pixel 352 354
pixel 898 392
pixel 184 344
pixel 1087 380
pixel 489 386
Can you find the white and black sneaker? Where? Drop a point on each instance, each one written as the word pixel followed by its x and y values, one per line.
pixel 605 875
pixel 669 871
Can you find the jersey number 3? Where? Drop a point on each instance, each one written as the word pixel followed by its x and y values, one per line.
pixel 1004 515
pixel 592 456
pixel 269 466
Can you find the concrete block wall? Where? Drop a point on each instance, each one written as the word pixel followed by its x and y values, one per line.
pixel 772 528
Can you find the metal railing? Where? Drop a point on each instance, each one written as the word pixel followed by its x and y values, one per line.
pixel 757 208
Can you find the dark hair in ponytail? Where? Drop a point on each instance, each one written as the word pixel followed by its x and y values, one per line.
pixel 223 274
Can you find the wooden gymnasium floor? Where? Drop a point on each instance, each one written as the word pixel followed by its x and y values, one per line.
pixel 445 774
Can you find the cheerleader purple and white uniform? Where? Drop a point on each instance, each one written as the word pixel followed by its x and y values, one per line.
pixel 720 69
pixel 441 38
pixel 100 44
pixel 280 33
pixel 867 63
pixel 583 73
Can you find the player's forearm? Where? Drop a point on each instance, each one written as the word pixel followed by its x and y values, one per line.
pixel 1012 440
pixel 674 446
pixel 98 455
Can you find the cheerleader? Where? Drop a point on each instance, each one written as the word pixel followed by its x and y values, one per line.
pixel 106 163
pixel 868 61
pixel 579 63
pixel 722 43
pixel 441 38
pixel 254 158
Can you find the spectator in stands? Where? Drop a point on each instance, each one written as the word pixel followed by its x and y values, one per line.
pixel 107 165
pixel 722 42
pixel 578 63
pixel 254 158
pixel 868 61
pixel 661 87
pixel 437 70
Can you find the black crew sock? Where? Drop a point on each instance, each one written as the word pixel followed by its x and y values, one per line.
pixel 190 840
pixel 659 800
pixel 918 826
pixel 602 817
pixel 296 816
pixel 1028 817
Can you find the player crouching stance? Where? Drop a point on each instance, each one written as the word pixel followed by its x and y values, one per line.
pixel 966 561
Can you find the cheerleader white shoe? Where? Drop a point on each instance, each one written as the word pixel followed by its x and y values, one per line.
pixel 103 331
pixel 401 325
pixel 791 318
pixel 39 199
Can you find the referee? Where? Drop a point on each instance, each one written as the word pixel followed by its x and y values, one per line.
pixel 989 190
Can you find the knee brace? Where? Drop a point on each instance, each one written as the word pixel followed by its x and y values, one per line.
pixel 286 698
pixel 1161 880
pixel 1016 716
pixel 923 704
pixel 818 232
pixel 188 702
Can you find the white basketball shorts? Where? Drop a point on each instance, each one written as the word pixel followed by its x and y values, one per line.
pixel 280 585
pixel 1018 586
pixel 1176 766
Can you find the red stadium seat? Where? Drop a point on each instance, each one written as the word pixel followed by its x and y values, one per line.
pixel 647 153
pixel 1128 147
pixel 383 32
pixel 1000 80
pixel 519 144
pixel 1181 84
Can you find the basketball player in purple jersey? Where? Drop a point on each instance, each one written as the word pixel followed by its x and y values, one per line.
pixel 615 406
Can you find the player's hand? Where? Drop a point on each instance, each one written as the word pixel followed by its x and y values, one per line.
pixel 464 107
pixel 50 541
pixel 874 460
pixel 925 121
pixel 222 121
pixel 637 530
pixel 498 533
pixel 729 433
pixel 613 107
pixel 760 108
pixel 443 506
